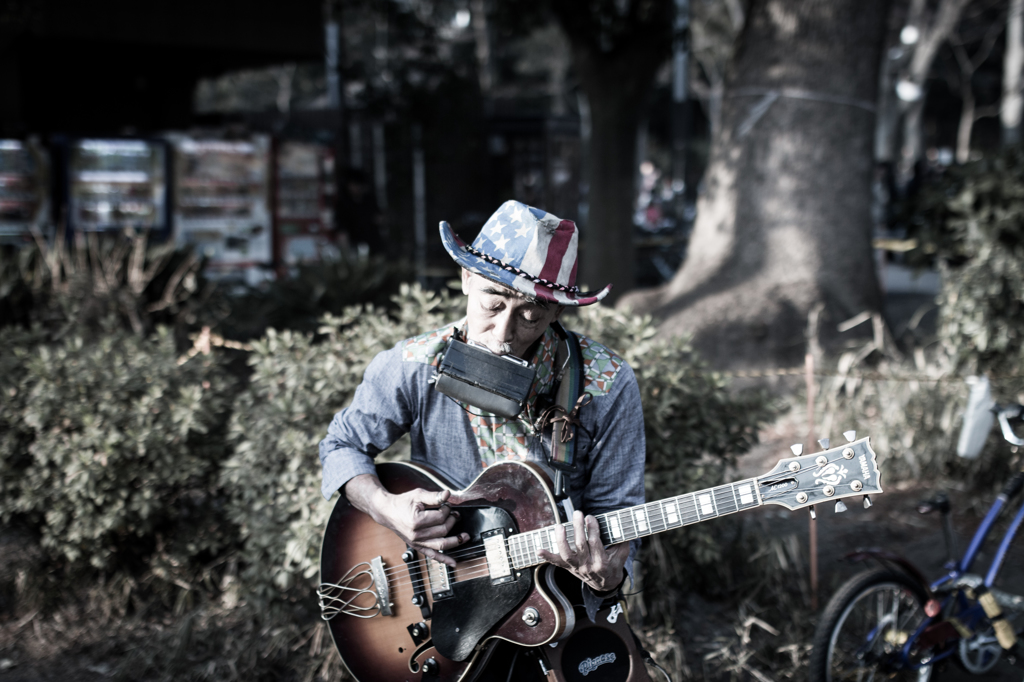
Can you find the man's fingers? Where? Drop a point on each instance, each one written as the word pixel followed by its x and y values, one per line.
pixel 553 559
pixel 438 549
pixel 562 543
pixel 581 539
pixel 594 542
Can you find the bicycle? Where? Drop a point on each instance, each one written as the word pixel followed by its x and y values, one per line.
pixel 890 622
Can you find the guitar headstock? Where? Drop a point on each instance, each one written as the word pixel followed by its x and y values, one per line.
pixel 828 476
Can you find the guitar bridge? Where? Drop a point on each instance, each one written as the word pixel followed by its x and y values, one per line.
pixel 380 582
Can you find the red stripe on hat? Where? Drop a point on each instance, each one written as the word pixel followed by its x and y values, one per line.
pixel 556 251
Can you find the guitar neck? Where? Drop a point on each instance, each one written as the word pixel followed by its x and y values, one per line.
pixel 643 520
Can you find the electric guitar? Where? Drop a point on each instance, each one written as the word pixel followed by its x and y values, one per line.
pixel 395 615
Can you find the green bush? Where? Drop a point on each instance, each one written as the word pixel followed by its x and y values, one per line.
pixel 972 222
pixel 297 385
pixel 693 426
pixel 111 449
pixel 969 223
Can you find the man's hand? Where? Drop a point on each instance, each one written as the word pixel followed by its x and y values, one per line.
pixel 419 517
pixel 593 564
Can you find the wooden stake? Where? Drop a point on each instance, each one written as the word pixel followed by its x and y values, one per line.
pixel 811 445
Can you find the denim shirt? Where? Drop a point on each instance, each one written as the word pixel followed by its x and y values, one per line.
pixel 396 397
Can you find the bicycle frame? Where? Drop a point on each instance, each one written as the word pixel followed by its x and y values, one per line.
pixel 949 612
pixel 968 612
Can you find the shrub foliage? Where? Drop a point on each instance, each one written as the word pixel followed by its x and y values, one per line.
pixel 111 447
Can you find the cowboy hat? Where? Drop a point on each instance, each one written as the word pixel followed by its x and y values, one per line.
pixel 525 249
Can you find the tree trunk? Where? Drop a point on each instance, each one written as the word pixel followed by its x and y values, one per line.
pixel 617 90
pixel 785 222
pixel 616 50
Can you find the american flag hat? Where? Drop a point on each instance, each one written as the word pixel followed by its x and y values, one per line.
pixel 525 249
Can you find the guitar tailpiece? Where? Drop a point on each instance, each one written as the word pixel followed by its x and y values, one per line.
pixel 335 598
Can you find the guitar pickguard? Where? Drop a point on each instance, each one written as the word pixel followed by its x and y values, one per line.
pixel 459 622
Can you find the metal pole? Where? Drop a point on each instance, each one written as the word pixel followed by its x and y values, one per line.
pixel 680 86
pixel 335 95
pixel 419 190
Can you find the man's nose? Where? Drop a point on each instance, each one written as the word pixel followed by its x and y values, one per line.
pixel 504 328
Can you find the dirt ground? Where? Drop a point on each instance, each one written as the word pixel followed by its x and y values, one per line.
pixel 892 523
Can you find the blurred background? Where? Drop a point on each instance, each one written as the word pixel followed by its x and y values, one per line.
pixel 214 214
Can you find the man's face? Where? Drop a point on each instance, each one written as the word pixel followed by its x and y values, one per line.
pixel 497 315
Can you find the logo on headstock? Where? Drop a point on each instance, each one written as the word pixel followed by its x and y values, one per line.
pixel 864 467
pixel 831 474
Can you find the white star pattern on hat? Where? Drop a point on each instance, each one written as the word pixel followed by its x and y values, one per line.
pixel 500 243
pixel 522 231
pixel 517 215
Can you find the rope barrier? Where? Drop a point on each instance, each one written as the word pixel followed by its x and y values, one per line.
pixel 205 340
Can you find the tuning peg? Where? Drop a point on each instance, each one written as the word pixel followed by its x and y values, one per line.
pixel 823 442
pixel 840 507
pixel 867 501
pixel 850 436
pixel 797 449
pixel 811 509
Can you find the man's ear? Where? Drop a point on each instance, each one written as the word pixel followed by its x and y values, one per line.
pixel 465 281
pixel 559 311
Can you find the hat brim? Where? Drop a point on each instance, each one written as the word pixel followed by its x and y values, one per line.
pixel 456 248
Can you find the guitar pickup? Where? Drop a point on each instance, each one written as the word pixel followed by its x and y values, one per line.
pixel 380 585
pixel 440 579
pixel 497 556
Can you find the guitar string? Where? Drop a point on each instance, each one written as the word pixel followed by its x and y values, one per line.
pixel 470 572
pixel 719 493
pixel 654 516
pixel 604 522
pixel 656 522
pixel 520 553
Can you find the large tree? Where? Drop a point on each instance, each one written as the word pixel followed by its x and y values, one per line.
pixel 784 224
pixel 617 47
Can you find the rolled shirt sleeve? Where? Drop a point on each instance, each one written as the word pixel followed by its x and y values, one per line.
pixel 379 415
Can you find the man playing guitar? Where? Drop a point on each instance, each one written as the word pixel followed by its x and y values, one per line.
pixel 518 277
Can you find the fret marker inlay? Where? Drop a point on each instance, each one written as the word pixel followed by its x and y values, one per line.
pixel 641 520
pixel 613 521
pixel 705 505
pixel 746 494
pixel 673 516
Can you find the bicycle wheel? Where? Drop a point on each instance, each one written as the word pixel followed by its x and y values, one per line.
pixel 864 627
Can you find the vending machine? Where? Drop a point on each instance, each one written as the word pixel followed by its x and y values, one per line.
pixel 24 190
pixel 303 202
pixel 114 184
pixel 221 204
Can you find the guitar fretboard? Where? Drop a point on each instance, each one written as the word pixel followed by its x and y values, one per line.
pixel 645 519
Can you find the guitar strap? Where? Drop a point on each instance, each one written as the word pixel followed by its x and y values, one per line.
pixel 563 413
